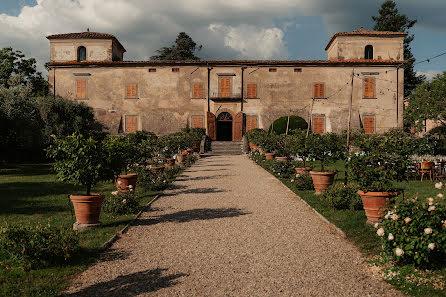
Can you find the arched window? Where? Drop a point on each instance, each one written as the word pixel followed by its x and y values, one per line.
pixel 81 54
pixel 368 52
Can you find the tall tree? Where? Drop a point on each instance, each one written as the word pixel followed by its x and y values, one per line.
pixel 389 19
pixel 183 49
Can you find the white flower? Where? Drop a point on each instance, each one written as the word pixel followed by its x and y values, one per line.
pixel 427 230
pixel 390 236
pixel 399 252
pixel 431 200
pixel 119 182
pixel 431 246
pixel 124 201
pixel 439 185
pixel 407 220
pixel 292 180
pixel 440 195
pixel 130 187
pixel 376 225
pixel 389 213
pixel 380 232
pixel 431 208
pixel 395 217
pixel 114 193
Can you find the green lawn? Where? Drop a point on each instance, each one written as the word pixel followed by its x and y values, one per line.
pixel 30 194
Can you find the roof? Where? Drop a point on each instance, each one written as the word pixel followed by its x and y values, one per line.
pixel 86 35
pixel 267 63
pixel 363 32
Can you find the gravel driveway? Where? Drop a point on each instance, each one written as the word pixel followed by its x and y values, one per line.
pixel 226 227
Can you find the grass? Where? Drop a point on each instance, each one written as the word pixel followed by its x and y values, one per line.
pixel 30 194
pixel 407 278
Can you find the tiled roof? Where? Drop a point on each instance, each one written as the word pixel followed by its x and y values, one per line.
pixel 85 35
pixel 362 32
pixel 226 63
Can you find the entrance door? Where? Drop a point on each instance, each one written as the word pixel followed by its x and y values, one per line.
pixel 237 127
pixel 212 133
pixel 224 126
pixel 225 87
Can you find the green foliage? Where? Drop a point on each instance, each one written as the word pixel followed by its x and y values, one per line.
pixel 303 182
pixel 152 181
pixel 38 246
pixel 255 135
pixel 340 196
pixel 116 150
pixel 139 147
pixel 415 231
pixel 283 145
pixel 281 169
pixel 280 124
pixel 268 142
pixel 176 143
pixel 299 146
pixel 79 160
pixel 325 147
pixel 196 133
pixel 389 19
pixel 121 203
pixel 183 49
pixel 427 102
pixel 190 160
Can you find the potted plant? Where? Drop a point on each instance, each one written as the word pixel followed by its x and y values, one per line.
pixel 254 137
pixel 81 161
pixel 299 149
pixel 324 148
pixel 283 148
pixel 268 143
pixel 382 160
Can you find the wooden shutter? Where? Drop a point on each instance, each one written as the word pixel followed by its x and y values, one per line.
pixel 251 123
pixel 318 125
pixel 197 122
pixel 225 87
pixel 369 87
pixel 237 127
pixel 252 90
pixel 318 91
pixel 198 90
pixel 212 131
pixel 130 124
pixel 130 91
pixel 81 88
pixel 369 125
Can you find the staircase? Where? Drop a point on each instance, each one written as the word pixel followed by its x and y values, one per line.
pixel 226 148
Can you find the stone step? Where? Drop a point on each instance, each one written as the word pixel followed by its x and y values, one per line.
pixel 226 148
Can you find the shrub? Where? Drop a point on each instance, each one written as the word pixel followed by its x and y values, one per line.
pixel 299 146
pixel 255 135
pixel 303 182
pixel 415 231
pixel 171 172
pixel 190 159
pixel 282 169
pixel 152 181
pixel 325 148
pixel 340 196
pixel 38 246
pixel 257 157
pixel 121 203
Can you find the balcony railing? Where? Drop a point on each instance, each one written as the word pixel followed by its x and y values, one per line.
pixel 233 97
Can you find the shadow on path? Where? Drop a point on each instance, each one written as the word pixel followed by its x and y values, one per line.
pixel 132 284
pixel 202 177
pixel 195 191
pixel 193 215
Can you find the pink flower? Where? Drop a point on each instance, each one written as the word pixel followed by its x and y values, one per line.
pixel 114 193
pixel 407 220
pixel 430 199
pixel 399 252
pixel 440 196
pixel 428 231
pixel 431 246
pixel 124 201
pixel 380 232
pixel 390 236
pixel 431 208
pixel 439 185
pixel 395 217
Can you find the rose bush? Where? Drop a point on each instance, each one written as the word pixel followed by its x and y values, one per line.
pixel 121 203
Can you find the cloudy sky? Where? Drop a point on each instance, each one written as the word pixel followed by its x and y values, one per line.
pixel 227 29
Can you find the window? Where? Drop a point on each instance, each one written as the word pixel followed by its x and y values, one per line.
pixel 369 87
pixel 273 70
pixel 152 69
pixel 198 90
pixel 131 91
pixel 197 122
pixel 81 54
pixel 318 125
pixel 251 123
pixel 318 90
pixel 81 88
pixel 131 124
pixel 369 124
pixel 252 90
pixel 225 87
pixel 297 69
pixel 368 52
pixel 175 69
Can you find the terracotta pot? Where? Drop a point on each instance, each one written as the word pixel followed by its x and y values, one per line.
pixel 169 162
pixel 181 157
pixel 322 180
pixel 87 207
pixel 303 170
pixel 189 151
pixel 282 159
pixel 269 156
pixel 156 169
pixel 375 204
pixel 253 147
pixel 124 181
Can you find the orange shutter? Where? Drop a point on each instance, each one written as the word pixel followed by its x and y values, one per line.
pixel 251 123
pixel 225 87
pixel 131 91
pixel 369 125
pixel 197 122
pixel 198 91
pixel 81 88
pixel 369 88
pixel 252 90
pixel 318 91
pixel 318 125
pixel 130 124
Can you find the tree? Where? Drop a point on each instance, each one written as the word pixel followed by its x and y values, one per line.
pixel 183 49
pixel 14 63
pixel 427 102
pixel 390 19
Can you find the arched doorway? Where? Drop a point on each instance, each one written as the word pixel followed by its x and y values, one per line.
pixel 293 122
pixel 224 126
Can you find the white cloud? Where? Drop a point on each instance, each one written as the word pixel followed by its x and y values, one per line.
pixel 430 73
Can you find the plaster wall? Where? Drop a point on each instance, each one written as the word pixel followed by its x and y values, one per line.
pixel 66 50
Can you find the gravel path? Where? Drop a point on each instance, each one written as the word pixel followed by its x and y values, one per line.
pixel 226 227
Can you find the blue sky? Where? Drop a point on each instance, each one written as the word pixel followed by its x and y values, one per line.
pixel 230 29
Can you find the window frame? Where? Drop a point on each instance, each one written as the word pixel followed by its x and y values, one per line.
pixel 368 49
pixel 125 123
pixel 75 88
pixel 324 130
pixel 323 85
pixel 136 91
pixel 220 78
pixel 364 85
pixel 79 53
pixel 368 116
pixel 193 90
pixel 247 91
